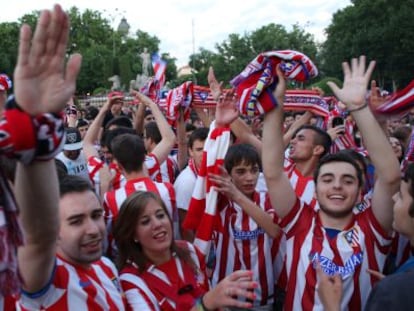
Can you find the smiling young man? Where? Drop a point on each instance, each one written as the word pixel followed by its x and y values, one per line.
pixel 341 242
pixel 60 262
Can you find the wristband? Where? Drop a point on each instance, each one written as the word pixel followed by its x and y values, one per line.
pixel 203 305
pixel 200 304
pixel 359 108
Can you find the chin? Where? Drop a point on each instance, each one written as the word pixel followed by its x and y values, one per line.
pixel 335 213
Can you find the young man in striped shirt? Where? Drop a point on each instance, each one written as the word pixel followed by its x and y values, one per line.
pixel 333 236
pixel 60 261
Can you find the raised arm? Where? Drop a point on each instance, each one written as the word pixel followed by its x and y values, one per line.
pixel 89 148
pixel 225 186
pixel 42 84
pixel 353 92
pixel 163 148
pixel 281 194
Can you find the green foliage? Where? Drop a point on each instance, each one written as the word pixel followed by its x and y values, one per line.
pixel 381 30
pixel 322 84
pixel 237 51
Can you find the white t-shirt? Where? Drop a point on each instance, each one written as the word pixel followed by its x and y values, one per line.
pixel 184 186
pixel 77 167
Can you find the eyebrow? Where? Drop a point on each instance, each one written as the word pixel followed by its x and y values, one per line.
pixel 80 215
pixel 342 176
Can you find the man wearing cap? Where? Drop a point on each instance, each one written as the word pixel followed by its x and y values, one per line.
pixel 72 155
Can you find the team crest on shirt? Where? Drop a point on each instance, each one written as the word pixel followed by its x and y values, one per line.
pixel 352 237
pixel 115 281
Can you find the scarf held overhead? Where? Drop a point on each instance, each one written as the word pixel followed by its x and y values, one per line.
pixel 255 84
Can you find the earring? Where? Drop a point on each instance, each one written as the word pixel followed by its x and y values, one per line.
pixel 136 241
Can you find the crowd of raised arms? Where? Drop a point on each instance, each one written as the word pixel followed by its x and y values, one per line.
pixel 265 200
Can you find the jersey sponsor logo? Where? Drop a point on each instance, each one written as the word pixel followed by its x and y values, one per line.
pixel 247 235
pixel 331 268
pixel 84 284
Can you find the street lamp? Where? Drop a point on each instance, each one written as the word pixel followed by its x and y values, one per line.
pixel 123 27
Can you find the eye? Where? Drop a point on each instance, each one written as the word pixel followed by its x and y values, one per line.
pixel 160 215
pixel 144 221
pixel 98 214
pixel 75 222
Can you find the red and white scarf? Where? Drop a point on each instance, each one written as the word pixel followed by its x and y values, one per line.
pixel 179 97
pixel 400 103
pixel 203 205
pixel 306 100
pixel 255 84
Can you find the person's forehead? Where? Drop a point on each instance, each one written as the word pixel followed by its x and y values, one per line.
pixel 338 168
pixel 78 203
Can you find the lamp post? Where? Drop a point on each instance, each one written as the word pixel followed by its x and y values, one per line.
pixel 123 27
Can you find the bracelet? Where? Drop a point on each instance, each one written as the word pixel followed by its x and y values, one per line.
pixel 359 108
pixel 203 305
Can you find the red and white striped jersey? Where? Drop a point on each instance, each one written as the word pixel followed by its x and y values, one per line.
pixel 362 245
pixel 76 288
pixel 150 290
pixel 304 186
pixel 168 170
pixel 114 199
pixel 94 165
pixel 7 303
pixel 240 244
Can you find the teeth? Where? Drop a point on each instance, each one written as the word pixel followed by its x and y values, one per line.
pixel 159 235
pixel 340 197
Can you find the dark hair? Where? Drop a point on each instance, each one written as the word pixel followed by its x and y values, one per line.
pixel 200 133
pixel 320 138
pixel 73 183
pixel 61 169
pixel 125 226
pixel 409 178
pixel 81 122
pixel 241 153
pixel 338 157
pixel 287 114
pixel 357 157
pixel 91 113
pixel 189 127
pixel 109 135
pixel 129 151
pixel 152 131
pixel 120 121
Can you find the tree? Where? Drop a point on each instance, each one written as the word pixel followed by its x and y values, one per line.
pixel 238 50
pixel 381 30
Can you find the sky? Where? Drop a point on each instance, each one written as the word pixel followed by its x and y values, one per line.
pixel 183 26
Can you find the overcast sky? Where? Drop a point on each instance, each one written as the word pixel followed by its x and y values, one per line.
pixel 171 20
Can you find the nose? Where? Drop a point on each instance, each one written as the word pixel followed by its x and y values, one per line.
pixel 337 184
pixel 92 226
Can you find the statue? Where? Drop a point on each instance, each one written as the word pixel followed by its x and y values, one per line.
pixel 146 61
pixel 116 83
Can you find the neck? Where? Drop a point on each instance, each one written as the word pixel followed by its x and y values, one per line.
pixel 135 175
pixel 307 167
pixel 159 258
pixel 338 223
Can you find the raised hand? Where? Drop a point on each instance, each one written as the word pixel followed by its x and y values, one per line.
pixel 280 90
pixel 356 80
pixel 226 109
pixel 215 86
pixel 42 81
